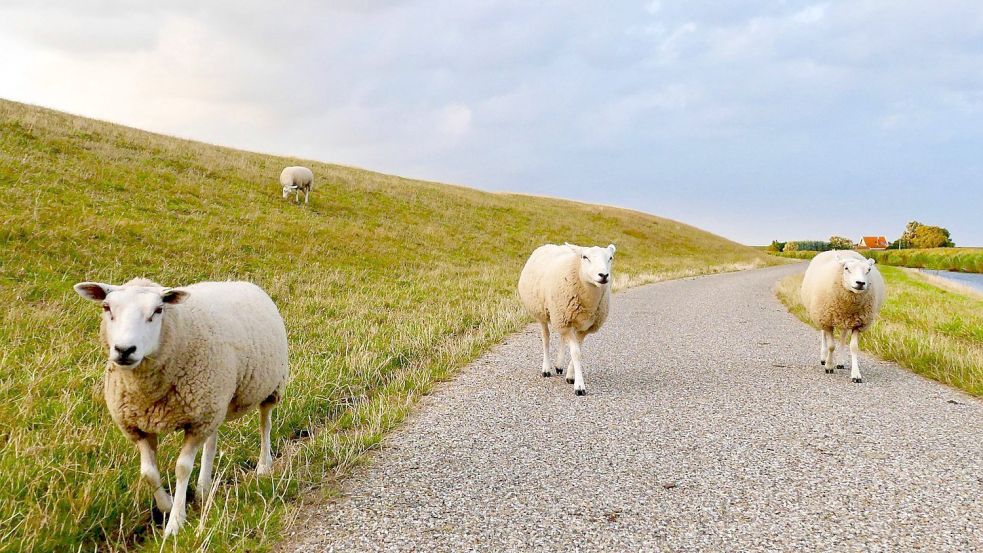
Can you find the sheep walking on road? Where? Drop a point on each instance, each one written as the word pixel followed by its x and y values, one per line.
pixel 569 288
pixel 842 290
pixel 188 359
pixel 296 180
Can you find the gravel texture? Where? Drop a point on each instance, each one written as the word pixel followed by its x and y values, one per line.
pixel 708 425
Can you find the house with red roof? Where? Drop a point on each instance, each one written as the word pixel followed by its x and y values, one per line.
pixel 873 243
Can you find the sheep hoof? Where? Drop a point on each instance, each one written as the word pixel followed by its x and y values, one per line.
pixel 857 380
pixel 547 374
pixel 580 392
pixel 841 367
pixel 570 381
pixel 157 515
pixel 822 361
pixel 828 370
pixel 559 370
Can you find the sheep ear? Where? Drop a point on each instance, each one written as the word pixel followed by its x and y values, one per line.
pixel 839 259
pixel 574 249
pixel 94 291
pixel 172 296
pixel 612 249
pixel 871 261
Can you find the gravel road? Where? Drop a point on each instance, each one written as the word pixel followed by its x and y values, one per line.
pixel 708 425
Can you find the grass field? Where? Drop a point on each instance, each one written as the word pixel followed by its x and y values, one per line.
pixel 796 254
pixel 966 260
pixel 930 330
pixel 386 284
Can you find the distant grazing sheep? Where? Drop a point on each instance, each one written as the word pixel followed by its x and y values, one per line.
pixel 297 179
pixel 842 290
pixel 188 359
pixel 568 287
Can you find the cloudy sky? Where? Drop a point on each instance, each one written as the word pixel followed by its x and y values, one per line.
pixel 754 119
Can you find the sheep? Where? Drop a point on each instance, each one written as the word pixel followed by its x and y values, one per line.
pixel 842 289
pixel 189 359
pixel 568 287
pixel 297 179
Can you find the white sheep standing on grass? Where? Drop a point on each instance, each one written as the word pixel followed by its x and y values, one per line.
pixel 842 290
pixel 188 359
pixel 296 180
pixel 568 287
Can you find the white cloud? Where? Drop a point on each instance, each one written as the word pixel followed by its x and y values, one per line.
pixel 455 120
pixel 601 101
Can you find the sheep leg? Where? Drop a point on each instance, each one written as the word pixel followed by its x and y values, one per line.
pixel 207 459
pixel 843 342
pixel 307 196
pixel 830 341
pixel 559 358
pixel 544 330
pixel 822 347
pixel 265 463
pixel 578 372
pixel 854 365
pixel 148 471
pixel 182 470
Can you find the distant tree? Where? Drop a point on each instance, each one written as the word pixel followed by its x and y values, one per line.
pixel 907 239
pixel 909 232
pixel 927 236
pixel 840 243
pixel 807 245
pixel 776 246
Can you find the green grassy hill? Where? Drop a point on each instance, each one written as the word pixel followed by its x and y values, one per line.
pixel 386 284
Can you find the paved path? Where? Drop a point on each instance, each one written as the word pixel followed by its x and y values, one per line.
pixel 708 425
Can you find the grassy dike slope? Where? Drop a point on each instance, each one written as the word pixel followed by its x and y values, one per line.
pixel 386 284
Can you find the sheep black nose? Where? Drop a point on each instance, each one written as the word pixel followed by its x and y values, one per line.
pixel 125 352
pixel 861 284
pixel 604 276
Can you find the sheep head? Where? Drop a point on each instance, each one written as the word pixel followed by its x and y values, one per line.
pixel 131 318
pixel 856 274
pixel 595 263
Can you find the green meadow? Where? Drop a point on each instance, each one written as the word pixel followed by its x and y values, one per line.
pixel 387 285
pixel 965 260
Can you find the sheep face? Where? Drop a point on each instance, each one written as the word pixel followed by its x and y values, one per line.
pixel 855 275
pixel 131 318
pixel 288 189
pixel 595 264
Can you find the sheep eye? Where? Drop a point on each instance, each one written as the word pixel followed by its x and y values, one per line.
pixel 105 307
pixel 585 258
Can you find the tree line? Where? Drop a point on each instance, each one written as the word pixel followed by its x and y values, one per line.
pixel 916 235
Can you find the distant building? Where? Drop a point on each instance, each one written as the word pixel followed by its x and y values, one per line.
pixel 873 243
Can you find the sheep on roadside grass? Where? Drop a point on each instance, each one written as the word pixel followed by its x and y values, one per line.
pixel 296 180
pixel 568 287
pixel 188 359
pixel 842 290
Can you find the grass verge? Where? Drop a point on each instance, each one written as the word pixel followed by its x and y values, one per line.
pixel 387 285
pixel 965 260
pixel 935 332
